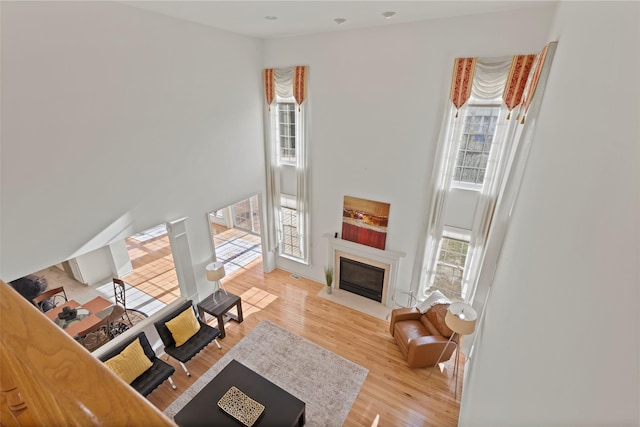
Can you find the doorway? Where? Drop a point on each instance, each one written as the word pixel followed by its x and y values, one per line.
pixel 154 273
pixel 236 234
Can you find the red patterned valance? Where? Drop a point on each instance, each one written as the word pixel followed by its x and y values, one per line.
pixel 517 81
pixel 269 85
pixel 463 70
pixel 300 84
pixel 285 82
pixel 534 80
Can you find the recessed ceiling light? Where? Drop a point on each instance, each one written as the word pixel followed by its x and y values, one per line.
pixel 340 21
pixel 388 14
pixel 271 17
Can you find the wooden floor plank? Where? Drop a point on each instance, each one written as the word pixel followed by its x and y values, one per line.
pixel 402 396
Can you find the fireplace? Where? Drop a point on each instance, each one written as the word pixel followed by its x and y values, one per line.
pixel 380 264
pixel 361 279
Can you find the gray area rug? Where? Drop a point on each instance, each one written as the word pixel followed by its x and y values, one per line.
pixel 326 382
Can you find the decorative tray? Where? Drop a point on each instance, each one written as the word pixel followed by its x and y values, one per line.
pixel 241 407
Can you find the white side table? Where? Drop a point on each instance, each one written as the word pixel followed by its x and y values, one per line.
pixel 404 299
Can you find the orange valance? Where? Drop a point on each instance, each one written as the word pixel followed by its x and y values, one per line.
pixel 269 85
pixel 534 80
pixel 517 81
pixel 463 71
pixel 285 83
pixel 300 84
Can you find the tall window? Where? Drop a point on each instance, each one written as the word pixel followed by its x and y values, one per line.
pixel 462 158
pixel 474 152
pixel 475 144
pixel 450 267
pixel 286 132
pixel 290 237
pixel 286 151
pixel 287 172
pixel 472 158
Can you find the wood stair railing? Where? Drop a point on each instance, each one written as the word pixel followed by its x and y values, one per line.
pixel 48 379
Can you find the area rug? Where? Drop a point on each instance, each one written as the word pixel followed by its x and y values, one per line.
pixel 326 382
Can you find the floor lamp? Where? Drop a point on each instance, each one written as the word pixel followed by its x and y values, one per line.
pixel 461 319
pixel 215 272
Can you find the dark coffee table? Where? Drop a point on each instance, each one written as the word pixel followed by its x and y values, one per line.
pixel 281 408
pixel 218 304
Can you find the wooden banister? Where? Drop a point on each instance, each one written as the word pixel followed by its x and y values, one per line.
pixel 60 382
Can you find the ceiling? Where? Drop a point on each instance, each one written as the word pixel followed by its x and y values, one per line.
pixel 304 17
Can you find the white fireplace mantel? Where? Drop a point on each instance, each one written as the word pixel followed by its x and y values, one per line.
pixel 388 258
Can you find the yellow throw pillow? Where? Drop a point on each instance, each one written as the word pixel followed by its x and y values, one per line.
pixel 130 363
pixel 183 326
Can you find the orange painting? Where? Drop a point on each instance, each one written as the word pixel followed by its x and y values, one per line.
pixel 365 221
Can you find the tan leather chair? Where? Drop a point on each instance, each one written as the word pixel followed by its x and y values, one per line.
pixel 421 337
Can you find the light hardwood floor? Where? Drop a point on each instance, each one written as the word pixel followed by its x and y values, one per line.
pixel 402 396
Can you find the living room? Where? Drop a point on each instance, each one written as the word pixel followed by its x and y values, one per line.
pixel 115 119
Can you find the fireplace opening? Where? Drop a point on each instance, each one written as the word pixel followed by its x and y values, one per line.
pixel 362 279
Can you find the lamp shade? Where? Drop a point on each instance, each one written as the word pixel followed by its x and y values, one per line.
pixel 461 318
pixel 215 271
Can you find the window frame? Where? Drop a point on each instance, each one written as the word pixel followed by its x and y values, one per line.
pixel 452 236
pixel 252 210
pixel 292 124
pixel 467 185
pixel 288 202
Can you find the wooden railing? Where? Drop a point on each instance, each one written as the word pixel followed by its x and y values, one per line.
pixel 48 379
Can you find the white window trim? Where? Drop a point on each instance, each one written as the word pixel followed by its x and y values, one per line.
pixel 465 185
pixel 281 160
pixel 461 185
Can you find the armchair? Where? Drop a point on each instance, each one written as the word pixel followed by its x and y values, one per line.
pixel 152 377
pixel 184 352
pixel 422 337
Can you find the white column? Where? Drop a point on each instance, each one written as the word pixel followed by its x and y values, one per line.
pixel 121 263
pixel 179 242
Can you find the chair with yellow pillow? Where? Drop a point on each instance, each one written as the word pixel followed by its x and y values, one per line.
pixel 136 363
pixel 184 334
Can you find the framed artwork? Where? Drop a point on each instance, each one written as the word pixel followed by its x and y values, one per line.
pixel 365 221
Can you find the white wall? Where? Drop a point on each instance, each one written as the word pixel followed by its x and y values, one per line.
pixel 461 208
pixel 116 119
pixel 560 341
pixel 376 100
pixel 288 179
pixel 120 260
pixel 95 267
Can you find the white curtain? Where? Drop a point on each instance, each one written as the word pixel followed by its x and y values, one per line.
pixel 504 145
pixel 284 82
pixel 441 178
pixel 490 79
pixel 274 232
pixel 302 185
